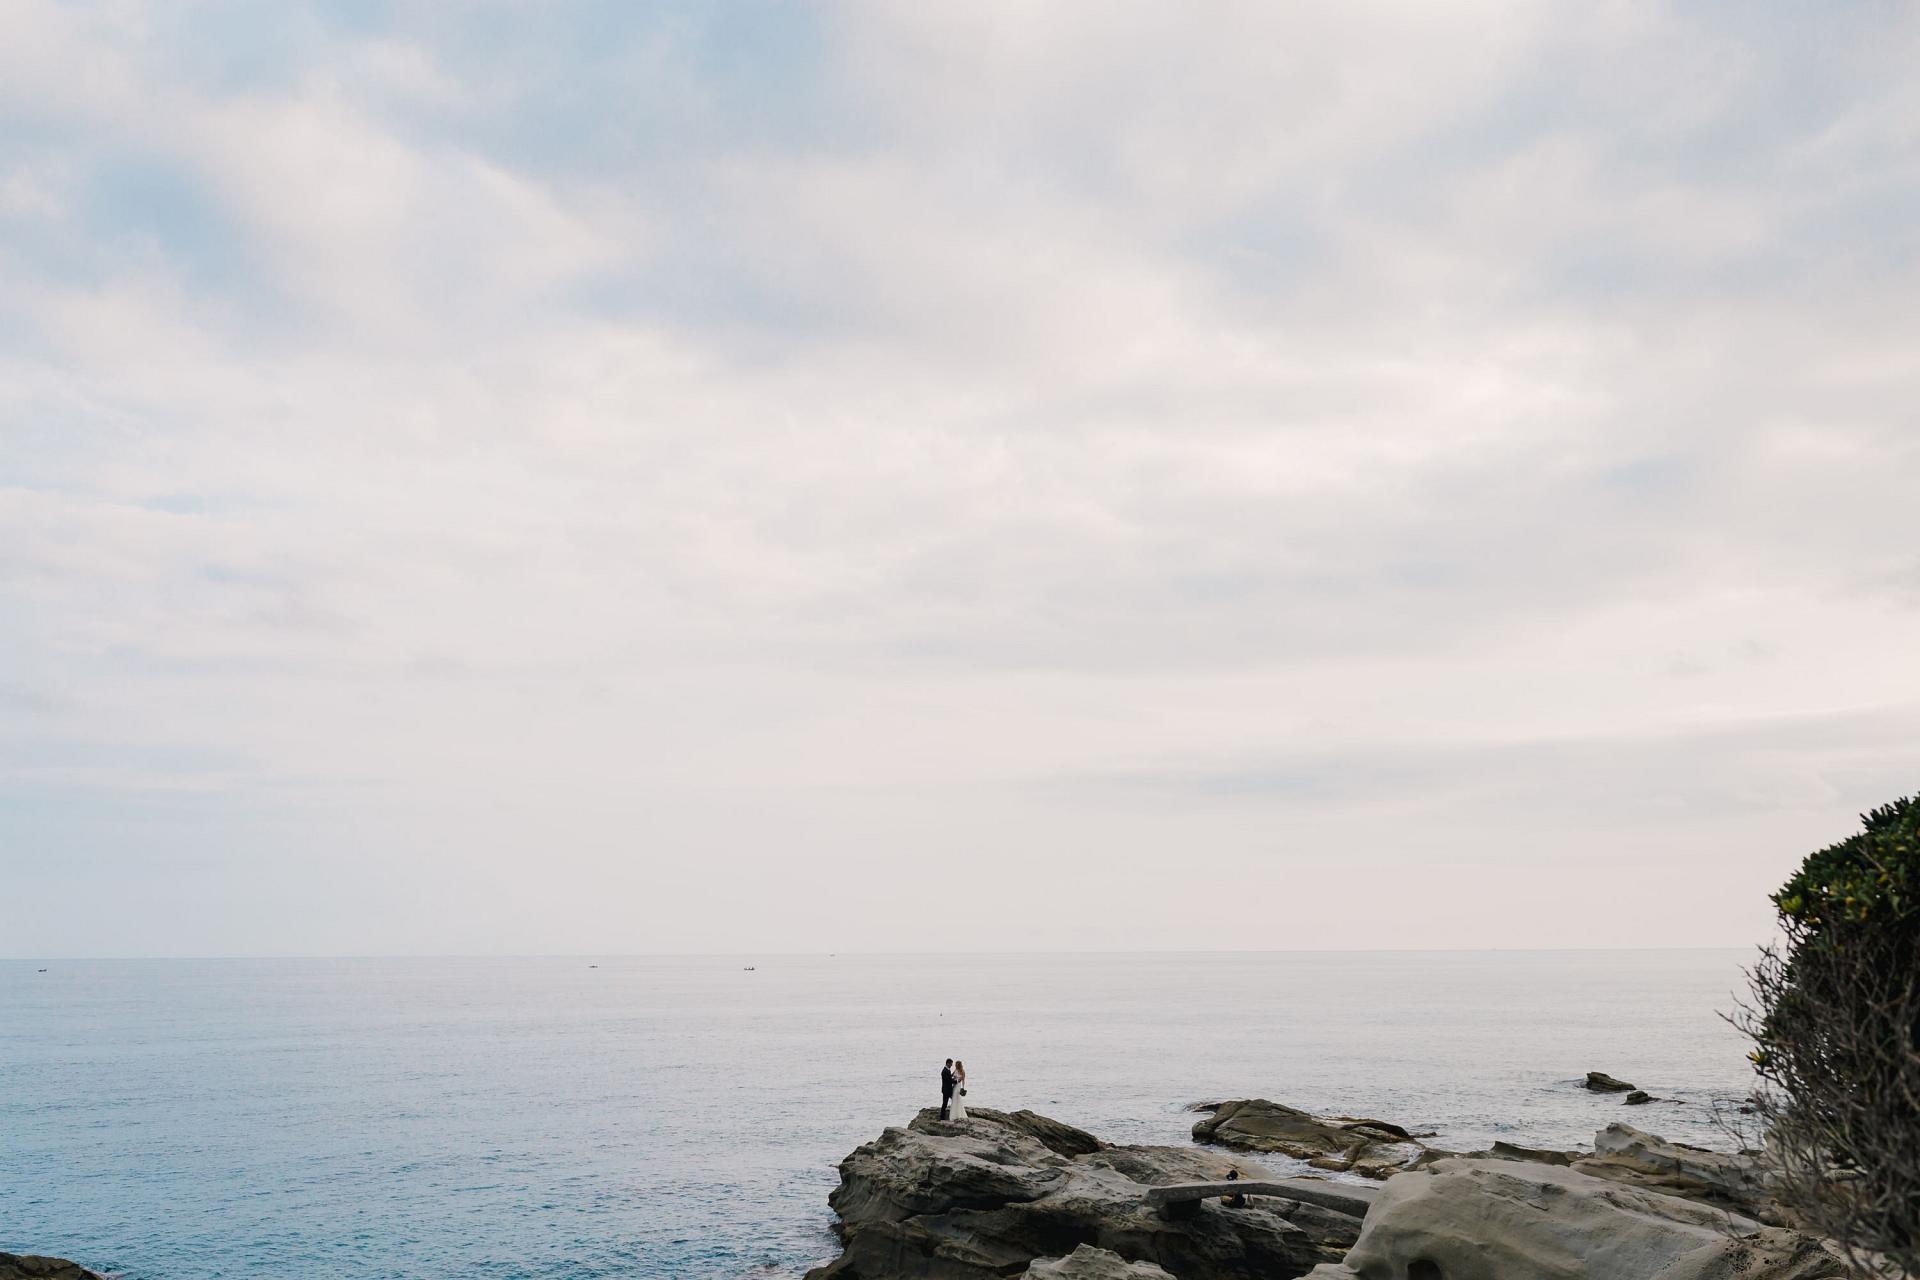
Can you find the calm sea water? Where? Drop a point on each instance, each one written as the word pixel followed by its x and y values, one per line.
pixel 652 1117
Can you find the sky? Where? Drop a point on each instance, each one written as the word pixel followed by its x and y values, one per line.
pixel 610 477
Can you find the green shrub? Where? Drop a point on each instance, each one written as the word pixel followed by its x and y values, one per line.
pixel 1835 1021
pixel 1873 876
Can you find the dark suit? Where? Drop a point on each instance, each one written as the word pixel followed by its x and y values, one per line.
pixel 946 1092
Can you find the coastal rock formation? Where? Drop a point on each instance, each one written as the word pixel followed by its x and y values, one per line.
pixel 1018 1194
pixel 986 1197
pixel 1370 1148
pixel 33 1266
pixel 1061 1139
pixel 1468 1218
pixel 1514 1151
pixel 1089 1263
pixel 1734 1181
pixel 1601 1082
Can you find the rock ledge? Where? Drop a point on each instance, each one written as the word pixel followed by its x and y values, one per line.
pixel 986 1198
pixel 34 1266
pixel 1340 1144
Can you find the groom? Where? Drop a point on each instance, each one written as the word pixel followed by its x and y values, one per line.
pixel 946 1090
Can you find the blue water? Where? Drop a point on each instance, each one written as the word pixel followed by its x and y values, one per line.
pixel 188 1120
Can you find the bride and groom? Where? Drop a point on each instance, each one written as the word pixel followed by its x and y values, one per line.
pixel 953 1087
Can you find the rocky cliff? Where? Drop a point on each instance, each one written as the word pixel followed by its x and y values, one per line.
pixel 33 1266
pixel 1469 1218
pixel 988 1197
pixel 1010 1195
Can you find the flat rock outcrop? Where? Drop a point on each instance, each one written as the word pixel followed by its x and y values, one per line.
pixel 1061 1139
pixel 1538 1155
pixel 34 1266
pixel 1089 1263
pixel 1601 1082
pixel 1734 1181
pixel 1469 1219
pixel 986 1197
pixel 1343 1144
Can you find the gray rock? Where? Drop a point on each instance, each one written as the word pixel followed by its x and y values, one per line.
pixel 1055 1136
pixel 1344 1197
pixel 34 1266
pixel 1499 1151
pixel 1735 1181
pixel 1622 1153
pixel 1089 1263
pixel 1637 1097
pixel 983 1197
pixel 1178 1199
pixel 1466 1219
pixel 1538 1155
pixel 1370 1148
pixel 1601 1082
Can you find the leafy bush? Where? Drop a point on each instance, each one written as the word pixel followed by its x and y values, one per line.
pixel 1835 1021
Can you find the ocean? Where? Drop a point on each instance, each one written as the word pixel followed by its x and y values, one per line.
pixel 561 1117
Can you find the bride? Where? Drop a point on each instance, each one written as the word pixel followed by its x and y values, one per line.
pixel 959 1111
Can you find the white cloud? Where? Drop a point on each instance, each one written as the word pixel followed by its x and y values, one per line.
pixel 640 503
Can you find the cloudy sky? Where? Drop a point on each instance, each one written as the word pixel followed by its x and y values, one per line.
pixel 604 477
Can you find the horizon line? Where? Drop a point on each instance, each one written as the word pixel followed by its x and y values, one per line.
pixel 827 955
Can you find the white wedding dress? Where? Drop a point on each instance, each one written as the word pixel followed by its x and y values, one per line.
pixel 959 1111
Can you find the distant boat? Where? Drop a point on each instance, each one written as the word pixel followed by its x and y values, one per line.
pixel 749 969
pixel 40 970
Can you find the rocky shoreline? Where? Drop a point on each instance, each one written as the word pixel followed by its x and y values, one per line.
pixel 1021 1195
pixel 34 1266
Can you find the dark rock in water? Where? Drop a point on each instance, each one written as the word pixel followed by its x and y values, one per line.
pixel 1089 1263
pixel 1638 1096
pixel 1371 1148
pixel 33 1266
pixel 1601 1082
pixel 1469 1218
pixel 986 1197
